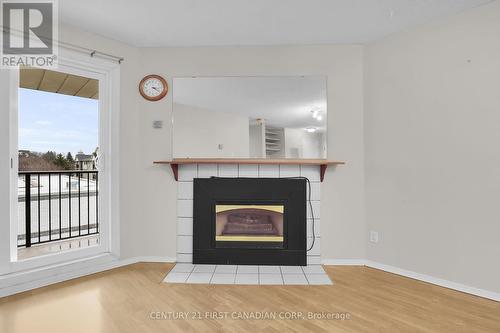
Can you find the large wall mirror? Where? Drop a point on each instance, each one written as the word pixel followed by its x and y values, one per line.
pixel 249 117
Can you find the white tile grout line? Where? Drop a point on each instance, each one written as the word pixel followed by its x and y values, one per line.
pixel 210 281
pixel 213 273
pixel 189 274
pixel 308 283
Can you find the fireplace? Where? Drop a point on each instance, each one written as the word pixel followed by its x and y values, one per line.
pixel 258 221
pixel 247 223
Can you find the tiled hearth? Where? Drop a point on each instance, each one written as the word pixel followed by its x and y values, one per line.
pixel 248 275
pixel 188 172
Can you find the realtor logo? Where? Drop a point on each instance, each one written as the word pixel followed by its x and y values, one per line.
pixel 28 33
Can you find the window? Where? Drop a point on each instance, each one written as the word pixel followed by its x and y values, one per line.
pixel 58 181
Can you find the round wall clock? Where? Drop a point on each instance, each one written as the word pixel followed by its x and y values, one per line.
pixel 153 87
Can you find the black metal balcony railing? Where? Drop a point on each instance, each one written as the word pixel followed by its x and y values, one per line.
pixel 57 205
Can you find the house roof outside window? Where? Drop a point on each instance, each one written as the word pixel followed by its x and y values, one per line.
pixel 81 157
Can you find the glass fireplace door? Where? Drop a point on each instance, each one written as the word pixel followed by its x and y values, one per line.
pixel 249 223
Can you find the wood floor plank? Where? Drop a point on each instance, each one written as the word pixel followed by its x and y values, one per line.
pixel 124 299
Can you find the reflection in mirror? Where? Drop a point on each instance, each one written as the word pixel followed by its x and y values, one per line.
pixel 249 117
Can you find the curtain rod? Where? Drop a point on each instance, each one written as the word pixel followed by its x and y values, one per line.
pixel 86 50
pixel 90 52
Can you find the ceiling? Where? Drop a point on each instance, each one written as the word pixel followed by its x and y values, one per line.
pixel 57 82
pixel 155 23
pixel 280 101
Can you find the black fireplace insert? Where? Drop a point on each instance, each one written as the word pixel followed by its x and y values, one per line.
pixel 254 221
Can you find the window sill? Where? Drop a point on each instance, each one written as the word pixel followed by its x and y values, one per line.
pixel 16 282
pixel 59 258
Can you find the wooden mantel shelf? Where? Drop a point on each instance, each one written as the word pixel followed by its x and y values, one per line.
pixel 323 164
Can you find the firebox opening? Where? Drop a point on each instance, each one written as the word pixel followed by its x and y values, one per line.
pixel 249 223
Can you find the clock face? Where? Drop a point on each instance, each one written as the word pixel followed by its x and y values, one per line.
pixel 153 87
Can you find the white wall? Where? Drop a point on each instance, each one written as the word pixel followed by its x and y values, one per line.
pixel 198 133
pixel 257 141
pixel 311 145
pixel 432 134
pixel 293 142
pixel 308 145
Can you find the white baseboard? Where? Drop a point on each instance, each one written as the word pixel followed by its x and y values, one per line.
pixel 155 259
pixel 344 262
pixel 437 281
pixel 27 280
pixel 414 275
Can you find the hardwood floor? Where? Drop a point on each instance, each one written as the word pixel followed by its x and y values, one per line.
pixel 125 300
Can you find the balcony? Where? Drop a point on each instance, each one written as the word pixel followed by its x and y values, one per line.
pixel 57 210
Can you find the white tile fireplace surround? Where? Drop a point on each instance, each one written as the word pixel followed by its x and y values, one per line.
pixel 185 199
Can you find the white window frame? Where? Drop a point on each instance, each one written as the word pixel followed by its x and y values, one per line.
pixel 108 74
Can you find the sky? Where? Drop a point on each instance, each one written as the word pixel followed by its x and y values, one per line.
pixel 56 122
